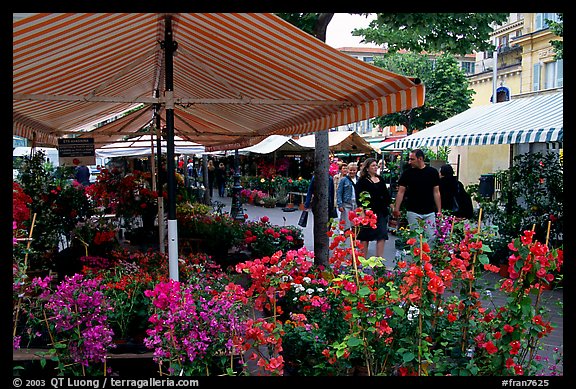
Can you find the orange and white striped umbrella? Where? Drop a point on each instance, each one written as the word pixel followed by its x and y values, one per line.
pixel 238 77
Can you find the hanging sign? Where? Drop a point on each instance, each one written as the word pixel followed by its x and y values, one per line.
pixel 76 151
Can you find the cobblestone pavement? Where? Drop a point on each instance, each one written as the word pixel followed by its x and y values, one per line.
pixel 552 299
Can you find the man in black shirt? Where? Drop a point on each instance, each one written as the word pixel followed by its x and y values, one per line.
pixel 420 185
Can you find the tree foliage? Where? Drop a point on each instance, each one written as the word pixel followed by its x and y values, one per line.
pixel 447 92
pixel 314 24
pixel 456 33
pixel 558 29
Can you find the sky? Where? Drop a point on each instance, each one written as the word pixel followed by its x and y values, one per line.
pixel 339 32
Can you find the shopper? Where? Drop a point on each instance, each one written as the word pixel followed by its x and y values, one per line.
pixel 309 201
pixel 419 187
pixel 379 202
pixel 221 179
pixel 211 177
pixel 346 194
pixel 454 197
pixel 82 174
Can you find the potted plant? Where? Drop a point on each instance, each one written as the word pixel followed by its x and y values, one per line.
pixel 269 201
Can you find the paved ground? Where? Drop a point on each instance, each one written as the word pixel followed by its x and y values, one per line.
pixel 552 299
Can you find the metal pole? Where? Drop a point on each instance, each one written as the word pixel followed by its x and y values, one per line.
pixel 160 186
pixel 205 179
pixel 236 207
pixel 169 48
pixel 495 76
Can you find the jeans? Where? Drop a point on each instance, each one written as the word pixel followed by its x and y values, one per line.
pixel 427 221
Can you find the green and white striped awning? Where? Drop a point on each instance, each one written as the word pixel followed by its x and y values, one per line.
pixel 531 119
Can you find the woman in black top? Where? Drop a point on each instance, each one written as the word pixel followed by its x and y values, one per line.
pixel 379 203
pixel 450 189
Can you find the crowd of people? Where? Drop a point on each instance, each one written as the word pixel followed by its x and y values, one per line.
pixel 424 191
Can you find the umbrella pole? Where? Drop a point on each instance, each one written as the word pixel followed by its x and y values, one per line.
pixel 160 198
pixel 236 210
pixel 169 47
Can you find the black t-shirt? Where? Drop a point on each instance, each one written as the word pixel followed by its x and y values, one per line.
pixel 379 195
pixel 420 183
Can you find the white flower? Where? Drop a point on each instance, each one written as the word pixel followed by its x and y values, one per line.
pixel 309 290
pixel 306 279
pixel 320 290
pixel 298 288
pixel 413 312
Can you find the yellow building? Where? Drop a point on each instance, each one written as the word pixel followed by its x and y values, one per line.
pixel 525 64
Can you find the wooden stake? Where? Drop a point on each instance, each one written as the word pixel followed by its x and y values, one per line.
pixel 29 240
pixel 420 315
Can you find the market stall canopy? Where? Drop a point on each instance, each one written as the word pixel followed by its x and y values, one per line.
pixel 275 143
pixel 530 119
pixel 388 144
pixel 343 141
pixel 237 77
pixel 142 145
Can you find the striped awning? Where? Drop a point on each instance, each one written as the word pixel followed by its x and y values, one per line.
pixel 237 77
pixel 529 119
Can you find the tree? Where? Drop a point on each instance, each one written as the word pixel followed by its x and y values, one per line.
pixel 447 92
pixel 558 29
pixel 451 33
pixel 455 33
pixel 316 25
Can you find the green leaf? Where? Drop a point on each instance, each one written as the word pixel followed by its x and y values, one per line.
pixel 407 357
pixel 354 341
pixel 364 291
pixel 483 258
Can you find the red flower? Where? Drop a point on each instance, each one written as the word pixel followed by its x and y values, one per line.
pixel 490 347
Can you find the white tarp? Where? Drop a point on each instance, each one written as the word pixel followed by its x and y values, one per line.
pixel 346 141
pixel 142 145
pixel 275 143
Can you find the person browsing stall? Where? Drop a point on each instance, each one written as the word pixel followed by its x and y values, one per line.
pixel 308 202
pixel 454 197
pixel 419 186
pixel 379 202
pixel 346 194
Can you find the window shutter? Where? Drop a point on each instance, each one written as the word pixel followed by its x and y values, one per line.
pixel 560 73
pixel 536 77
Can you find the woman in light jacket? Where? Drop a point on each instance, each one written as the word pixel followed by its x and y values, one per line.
pixel 346 195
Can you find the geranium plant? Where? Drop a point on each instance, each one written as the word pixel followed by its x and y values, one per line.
pixel 263 239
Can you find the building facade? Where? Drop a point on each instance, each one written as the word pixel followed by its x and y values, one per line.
pixel 524 64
